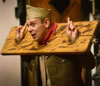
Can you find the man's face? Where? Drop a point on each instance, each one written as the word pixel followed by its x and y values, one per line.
pixel 37 28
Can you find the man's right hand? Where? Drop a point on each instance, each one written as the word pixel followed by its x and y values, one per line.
pixel 20 33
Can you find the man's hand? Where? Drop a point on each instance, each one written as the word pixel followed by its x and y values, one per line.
pixel 72 32
pixel 20 33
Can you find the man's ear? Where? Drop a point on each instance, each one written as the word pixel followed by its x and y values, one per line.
pixel 47 22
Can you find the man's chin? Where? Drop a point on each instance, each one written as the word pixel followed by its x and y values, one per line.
pixel 36 39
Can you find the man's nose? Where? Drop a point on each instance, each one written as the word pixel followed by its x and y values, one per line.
pixel 29 29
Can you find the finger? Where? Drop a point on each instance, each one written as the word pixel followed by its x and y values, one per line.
pixel 18 29
pixel 72 27
pixel 69 25
pixel 23 28
pixel 68 19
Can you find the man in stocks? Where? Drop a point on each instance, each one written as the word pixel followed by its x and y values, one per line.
pixel 50 70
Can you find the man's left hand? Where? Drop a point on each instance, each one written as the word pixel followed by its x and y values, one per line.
pixel 71 30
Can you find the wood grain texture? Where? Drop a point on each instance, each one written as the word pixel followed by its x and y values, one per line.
pixel 58 45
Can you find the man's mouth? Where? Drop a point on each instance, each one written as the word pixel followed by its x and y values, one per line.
pixel 33 35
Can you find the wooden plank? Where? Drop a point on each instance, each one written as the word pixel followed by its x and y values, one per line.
pixel 58 45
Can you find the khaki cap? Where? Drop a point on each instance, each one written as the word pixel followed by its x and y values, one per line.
pixel 35 12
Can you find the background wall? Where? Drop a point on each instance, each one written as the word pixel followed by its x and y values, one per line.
pixel 61 9
pixel 10 71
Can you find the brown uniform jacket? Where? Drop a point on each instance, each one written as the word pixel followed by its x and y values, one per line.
pixel 63 70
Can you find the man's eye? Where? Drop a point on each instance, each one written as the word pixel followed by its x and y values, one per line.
pixel 32 24
pixel 27 25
